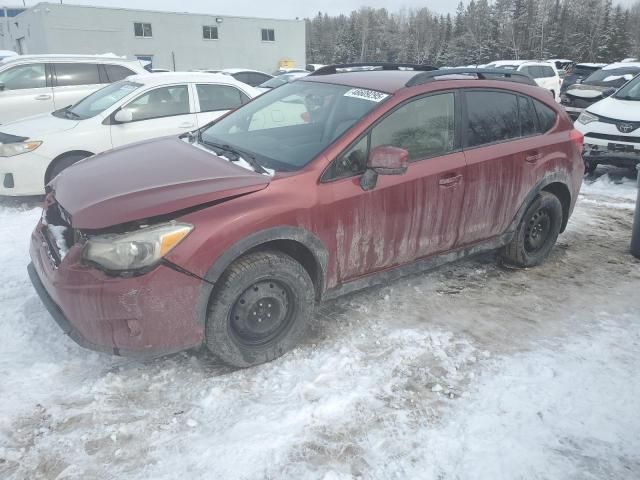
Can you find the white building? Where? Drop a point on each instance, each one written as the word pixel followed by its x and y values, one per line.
pixel 6 18
pixel 176 41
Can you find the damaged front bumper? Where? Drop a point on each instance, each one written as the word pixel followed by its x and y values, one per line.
pixel 145 316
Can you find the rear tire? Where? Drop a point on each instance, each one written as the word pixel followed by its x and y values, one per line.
pixel 537 232
pixel 260 309
pixel 62 163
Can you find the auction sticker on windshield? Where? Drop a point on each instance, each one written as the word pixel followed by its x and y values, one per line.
pixel 365 94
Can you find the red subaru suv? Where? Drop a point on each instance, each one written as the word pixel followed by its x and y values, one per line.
pixel 229 236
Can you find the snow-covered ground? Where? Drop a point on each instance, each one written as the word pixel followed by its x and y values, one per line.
pixel 472 371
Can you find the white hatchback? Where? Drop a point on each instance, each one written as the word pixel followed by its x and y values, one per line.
pixel 141 107
pixel 544 74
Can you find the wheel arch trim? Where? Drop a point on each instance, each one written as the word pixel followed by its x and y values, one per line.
pixel 301 236
pixel 563 180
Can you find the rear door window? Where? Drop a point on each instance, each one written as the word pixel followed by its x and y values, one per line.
pixel 219 97
pixel 68 74
pixel 491 117
pixel 528 117
pixel 116 73
pixel 546 72
pixel 23 77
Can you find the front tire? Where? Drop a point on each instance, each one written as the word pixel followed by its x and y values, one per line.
pixel 260 309
pixel 64 162
pixel 537 232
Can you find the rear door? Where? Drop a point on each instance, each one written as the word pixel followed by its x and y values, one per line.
pixel 73 82
pixel 166 110
pixel 407 216
pixel 26 91
pixel 214 100
pixel 505 151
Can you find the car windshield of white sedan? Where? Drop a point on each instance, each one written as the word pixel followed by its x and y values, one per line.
pixel 286 128
pixel 99 101
pixel 631 91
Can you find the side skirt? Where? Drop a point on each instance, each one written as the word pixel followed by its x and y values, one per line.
pixel 418 266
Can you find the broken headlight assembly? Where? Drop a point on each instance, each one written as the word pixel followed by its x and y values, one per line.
pixel 136 250
pixel 13 149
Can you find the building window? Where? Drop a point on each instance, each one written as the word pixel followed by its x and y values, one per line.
pixel 268 35
pixel 142 30
pixel 210 32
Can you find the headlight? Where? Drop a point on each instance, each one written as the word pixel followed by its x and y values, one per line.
pixel 586 118
pixel 135 250
pixel 13 149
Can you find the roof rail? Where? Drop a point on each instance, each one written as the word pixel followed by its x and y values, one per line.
pixel 364 66
pixel 469 73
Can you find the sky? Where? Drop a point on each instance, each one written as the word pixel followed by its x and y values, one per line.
pixel 273 8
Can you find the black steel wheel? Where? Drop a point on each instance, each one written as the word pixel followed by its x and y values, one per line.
pixel 259 309
pixel 537 232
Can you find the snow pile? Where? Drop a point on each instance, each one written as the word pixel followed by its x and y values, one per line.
pixel 614 193
pixel 58 234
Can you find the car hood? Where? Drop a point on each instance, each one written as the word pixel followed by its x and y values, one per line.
pixel 148 179
pixel 38 126
pixel 588 92
pixel 625 110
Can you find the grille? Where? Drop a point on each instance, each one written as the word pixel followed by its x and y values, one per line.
pixel 613 138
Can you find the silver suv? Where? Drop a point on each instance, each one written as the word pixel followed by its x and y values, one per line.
pixel 34 84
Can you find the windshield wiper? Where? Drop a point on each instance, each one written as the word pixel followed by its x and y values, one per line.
pixel 236 155
pixel 70 114
pixel 627 97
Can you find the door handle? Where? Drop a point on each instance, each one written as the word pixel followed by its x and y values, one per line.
pixel 43 97
pixel 533 157
pixel 450 181
pixel 186 125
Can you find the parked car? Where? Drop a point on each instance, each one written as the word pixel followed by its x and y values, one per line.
pixel 250 77
pixel 6 54
pixel 229 238
pixel 578 73
pixel 611 129
pixel 35 84
pixel 544 73
pixel 563 65
pixel 36 149
pixel 280 80
pixel 598 85
pixel 282 71
pixel 312 67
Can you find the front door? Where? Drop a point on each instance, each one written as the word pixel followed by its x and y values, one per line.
pixel 156 113
pixel 407 216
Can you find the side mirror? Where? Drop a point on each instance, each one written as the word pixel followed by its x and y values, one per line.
pixel 384 160
pixel 123 116
pixel 608 92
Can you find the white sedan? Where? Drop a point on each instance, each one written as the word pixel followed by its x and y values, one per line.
pixel 141 107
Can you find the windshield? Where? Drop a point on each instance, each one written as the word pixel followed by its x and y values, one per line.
pixel 615 76
pixel 274 82
pixel 286 128
pixel 631 91
pixel 99 101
